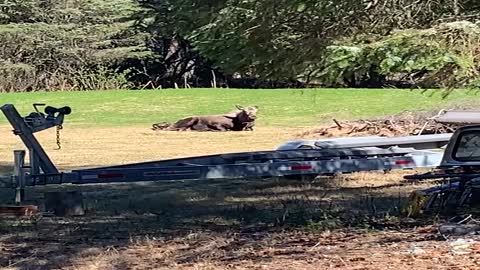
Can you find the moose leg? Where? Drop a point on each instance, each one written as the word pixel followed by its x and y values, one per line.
pixel 184 124
pixel 201 125
pixel 219 126
pixel 249 126
pixel 160 126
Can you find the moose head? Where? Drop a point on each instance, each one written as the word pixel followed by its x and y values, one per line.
pixel 246 114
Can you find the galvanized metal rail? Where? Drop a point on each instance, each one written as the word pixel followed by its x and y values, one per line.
pixel 416 142
pixel 458 117
pixel 325 157
pixel 262 164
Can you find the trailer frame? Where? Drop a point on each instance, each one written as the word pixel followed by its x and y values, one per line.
pixel 327 157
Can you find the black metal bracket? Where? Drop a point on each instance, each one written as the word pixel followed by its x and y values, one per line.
pixel 24 127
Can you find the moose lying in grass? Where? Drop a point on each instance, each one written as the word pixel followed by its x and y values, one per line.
pixel 238 120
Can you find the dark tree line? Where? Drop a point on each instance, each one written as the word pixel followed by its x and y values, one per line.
pixel 95 44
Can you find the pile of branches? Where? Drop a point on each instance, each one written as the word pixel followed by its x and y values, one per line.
pixel 404 124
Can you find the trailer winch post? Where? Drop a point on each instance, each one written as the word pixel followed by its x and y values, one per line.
pixel 38 156
pixel 34 162
pixel 19 175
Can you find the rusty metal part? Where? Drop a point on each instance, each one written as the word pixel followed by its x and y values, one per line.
pixel 18 210
pixel 59 144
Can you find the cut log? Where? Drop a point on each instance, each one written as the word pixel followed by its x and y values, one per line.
pixel 458 229
pixel 64 203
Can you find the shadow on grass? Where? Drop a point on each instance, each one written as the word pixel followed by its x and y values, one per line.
pixel 6 168
pixel 118 213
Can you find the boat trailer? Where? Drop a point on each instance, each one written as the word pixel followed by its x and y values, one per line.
pixel 293 159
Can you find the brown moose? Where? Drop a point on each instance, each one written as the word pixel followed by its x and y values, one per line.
pixel 238 120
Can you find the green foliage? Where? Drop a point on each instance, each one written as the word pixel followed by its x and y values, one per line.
pixel 442 56
pixel 287 39
pixel 65 11
pixel 66 45
pixel 277 36
pixel 85 44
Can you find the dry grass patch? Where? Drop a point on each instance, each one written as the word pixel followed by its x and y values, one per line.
pixel 223 224
pixel 106 146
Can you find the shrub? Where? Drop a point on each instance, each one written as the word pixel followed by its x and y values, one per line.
pixel 446 55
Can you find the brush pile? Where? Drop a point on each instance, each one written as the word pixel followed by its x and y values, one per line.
pixel 403 124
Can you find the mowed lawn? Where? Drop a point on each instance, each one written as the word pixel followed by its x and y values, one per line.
pixel 278 108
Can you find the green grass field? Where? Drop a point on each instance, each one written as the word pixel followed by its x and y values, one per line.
pixel 283 108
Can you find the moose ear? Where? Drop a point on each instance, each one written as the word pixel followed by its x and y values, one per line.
pixel 239 107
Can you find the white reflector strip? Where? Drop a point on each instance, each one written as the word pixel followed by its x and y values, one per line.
pixel 301 167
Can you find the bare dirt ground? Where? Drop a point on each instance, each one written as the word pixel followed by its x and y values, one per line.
pixel 350 222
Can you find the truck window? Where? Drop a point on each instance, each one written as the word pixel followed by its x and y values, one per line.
pixel 468 147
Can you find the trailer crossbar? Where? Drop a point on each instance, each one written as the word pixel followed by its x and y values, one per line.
pixel 271 168
pixel 265 156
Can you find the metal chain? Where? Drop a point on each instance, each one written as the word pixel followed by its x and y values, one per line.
pixel 59 127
